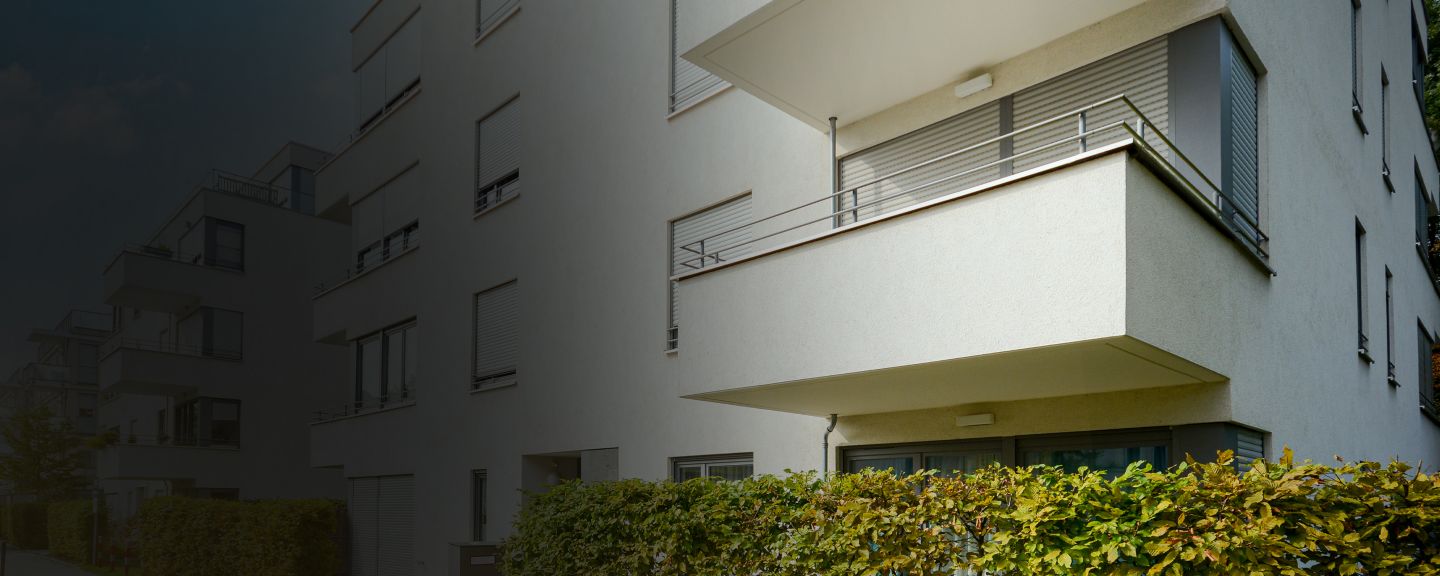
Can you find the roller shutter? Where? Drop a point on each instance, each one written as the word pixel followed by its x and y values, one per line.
pixel 497 335
pixel 395 526
pixel 1139 73
pixel 944 177
pixel 687 233
pixel 1249 445
pixel 497 150
pixel 1242 179
pixel 688 82
pixel 364 540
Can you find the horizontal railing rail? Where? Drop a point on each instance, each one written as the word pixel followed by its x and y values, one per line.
pixel 167 346
pixel 182 441
pixel 372 259
pixel 246 187
pixel 195 258
pixel 357 408
pixel 849 204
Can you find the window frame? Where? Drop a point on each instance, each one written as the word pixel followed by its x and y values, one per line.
pixel 1390 328
pixel 479 496
pixel 504 187
pixel 1385 129
pixel 1426 386
pixel 384 338
pixel 1361 305
pixel 1357 61
pixel 495 378
pixel 706 461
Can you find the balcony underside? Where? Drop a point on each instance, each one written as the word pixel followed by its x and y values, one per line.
pixel 148 372
pixel 825 45
pixel 205 466
pixel 1086 276
pixel 1089 367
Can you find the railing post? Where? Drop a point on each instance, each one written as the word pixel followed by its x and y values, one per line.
pixel 1082 131
pixel 702 252
pixel 855 201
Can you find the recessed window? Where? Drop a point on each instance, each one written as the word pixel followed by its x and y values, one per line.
pixel 1385 129
pixel 478 481
pixel 210 332
pixel 496 337
pixel 709 237
pixel 1356 63
pixel 386 223
pixel 727 467
pixel 1390 327
pixel 1424 230
pixel 1426 373
pixel 207 422
pixel 497 156
pixel 389 74
pixel 1417 58
pixel 381 517
pixel 689 83
pixel 491 13
pixel 1361 308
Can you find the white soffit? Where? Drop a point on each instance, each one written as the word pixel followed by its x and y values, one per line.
pixel 852 58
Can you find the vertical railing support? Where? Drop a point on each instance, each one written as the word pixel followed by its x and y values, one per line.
pixel 1082 131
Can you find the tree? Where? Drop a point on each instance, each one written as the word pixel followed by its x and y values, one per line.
pixel 45 455
pixel 1432 69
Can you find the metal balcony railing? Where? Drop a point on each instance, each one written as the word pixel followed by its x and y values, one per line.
pixel 245 187
pixel 179 440
pixel 85 320
pixel 167 346
pixel 403 398
pixel 1122 120
pixel 393 247
pixel 195 258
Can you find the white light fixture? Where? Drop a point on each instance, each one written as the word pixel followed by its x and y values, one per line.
pixel 975 420
pixel 972 85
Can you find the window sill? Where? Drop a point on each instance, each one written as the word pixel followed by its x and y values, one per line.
pixel 1365 356
pixel 672 351
pixel 698 101
pixel 1359 114
pixel 495 206
pixel 492 386
pixel 1385 176
pixel 1390 379
pixel 483 34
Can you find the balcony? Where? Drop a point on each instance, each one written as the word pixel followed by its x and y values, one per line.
pixel 1099 271
pixel 160 279
pixel 134 366
pixel 358 438
pixel 938 41
pixel 163 458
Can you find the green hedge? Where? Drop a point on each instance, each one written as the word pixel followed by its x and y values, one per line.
pixel 69 526
pixel 184 536
pixel 1193 519
pixel 23 525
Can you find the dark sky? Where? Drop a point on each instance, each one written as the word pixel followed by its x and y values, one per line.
pixel 111 112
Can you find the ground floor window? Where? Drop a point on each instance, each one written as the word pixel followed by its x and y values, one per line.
pixel 1108 450
pixel 723 467
pixel 381 514
pixel 478 480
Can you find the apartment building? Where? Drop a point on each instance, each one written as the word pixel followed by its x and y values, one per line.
pixel 1081 233
pixel 210 376
pixel 62 377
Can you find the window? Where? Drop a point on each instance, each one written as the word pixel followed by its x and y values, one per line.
pixel 1241 174
pixel 224 244
pixel 496 337
pixel 390 73
pixel 1360 307
pixel 946 459
pixel 1356 63
pixel 1426 380
pixel 490 13
pixel 1390 328
pixel 1110 452
pixel 1417 59
pixel 1385 129
pixel 208 422
pixel 497 156
pixel 1424 234
pixel 211 332
pixel 727 467
pixel 688 83
pixel 386 223
pixel 711 236
pixel 478 480
pixel 386 365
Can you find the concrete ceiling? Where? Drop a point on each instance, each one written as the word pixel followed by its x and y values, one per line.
pixel 852 58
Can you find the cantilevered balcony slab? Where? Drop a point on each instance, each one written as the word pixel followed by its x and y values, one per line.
pixel 365 442
pixel 136 370
pixel 161 282
pixel 146 460
pixel 852 58
pixel 1089 275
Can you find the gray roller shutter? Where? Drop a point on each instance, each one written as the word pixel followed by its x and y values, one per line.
pixel 687 233
pixel 1242 179
pixel 1139 73
pixel 688 82
pixel 395 526
pixel 944 177
pixel 497 150
pixel 1249 445
pixel 361 511
pixel 497 335
pixel 489 13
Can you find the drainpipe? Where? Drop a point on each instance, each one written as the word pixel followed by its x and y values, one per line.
pixel 825 446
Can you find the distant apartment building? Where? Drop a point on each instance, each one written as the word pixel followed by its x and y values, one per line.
pixel 211 376
pixel 62 378
pixel 1026 232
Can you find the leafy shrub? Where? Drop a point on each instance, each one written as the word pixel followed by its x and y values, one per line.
pixel 69 525
pixel 22 525
pixel 183 536
pixel 1193 519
